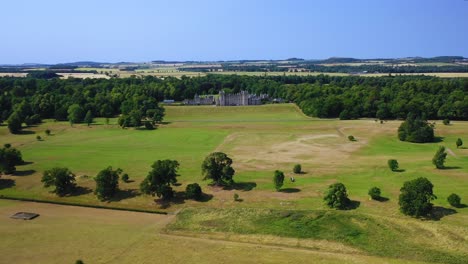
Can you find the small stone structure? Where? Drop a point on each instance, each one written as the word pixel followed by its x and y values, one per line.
pixel 24 216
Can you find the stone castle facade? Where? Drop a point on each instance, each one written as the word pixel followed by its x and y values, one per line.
pixel 239 99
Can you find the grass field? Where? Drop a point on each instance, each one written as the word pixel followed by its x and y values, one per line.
pixel 261 139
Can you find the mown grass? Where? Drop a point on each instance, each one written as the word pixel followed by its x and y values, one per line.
pixel 373 235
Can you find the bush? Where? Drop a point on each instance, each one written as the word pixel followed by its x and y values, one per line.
pixel 39 138
pixel 278 179
pixel 439 158
pixel 459 142
pixel 236 197
pixel 47 132
pixel 193 191
pixel 125 177
pixel 337 197
pixel 297 168
pixel 374 193
pixel 446 122
pixel 149 125
pixel 393 164
pixel 416 196
pixel 351 138
pixel 454 200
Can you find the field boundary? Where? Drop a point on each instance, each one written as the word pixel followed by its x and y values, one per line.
pixel 82 205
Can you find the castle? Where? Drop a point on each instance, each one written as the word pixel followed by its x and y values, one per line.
pixel 223 99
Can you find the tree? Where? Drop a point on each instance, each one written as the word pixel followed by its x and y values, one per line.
pixel 160 178
pixel 236 197
pixel 297 169
pixel 9 159
pixel 47 132
pixel 393 164
pixel 416 196
pixel 88 118
pixel 278 179
pixel 446 122
pixel 416 129
pixel 149 125
pixel 61 178
pixel 351 138
pixel 14 123
pixel 454 200
pixel 193 191
pixel 337 196
pixel 459 142
pixel 107 183
pixel 217 167
pixel 75 113
pixel 439 158
pixel 374 193
pixel 125 177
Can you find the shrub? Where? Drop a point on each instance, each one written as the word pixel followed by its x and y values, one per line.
pixel 374 193
pixel 459 142
pixel 278 179
pixel 446 122
pixel 351 138
pixel 125 177
pixel 236 197
pixel 39 138
pixel 337 197
pixel 439 158
pixel 297 168
pixel 416 196
pixel 149 125
pixel 454 200
pixel 47 132
pixel 393 164
pixel 193 191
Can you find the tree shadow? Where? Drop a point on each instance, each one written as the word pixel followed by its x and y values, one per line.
pixel 439 212
pixel 25 132
pixel 6 183
pixel 80 190
pixel 124 194
pixel 205 197
pixel 399 170
pixel 438 139
pixel 241 186
pixel 26 163
pixel 290 190
pixel 165 123
pixel 353 205
pixel 381 199
pixel 24 173
pixel 451 168
pixel 461 206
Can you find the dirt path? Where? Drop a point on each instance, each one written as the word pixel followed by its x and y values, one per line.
pixel 449 151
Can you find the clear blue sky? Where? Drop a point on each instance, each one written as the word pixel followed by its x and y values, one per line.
pixel 54 31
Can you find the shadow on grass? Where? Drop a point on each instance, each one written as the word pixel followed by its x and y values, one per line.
pixel 438 139
pixel 205 197
pixel 124 194
pixel 27 163
pixel 24 173
pixel 80 190
pixel 461 206
pixel 399 170
pixel 439 212
pixel 26 132
pixel 381 199
pixel 6 183
pixel 241 186
pixel 451 168
pixel 165 123
pixel 290 190
pixel 353 205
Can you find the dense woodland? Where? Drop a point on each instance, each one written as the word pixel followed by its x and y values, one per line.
pixel 323 96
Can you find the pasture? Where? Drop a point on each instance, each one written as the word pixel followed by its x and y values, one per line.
pixel 260 140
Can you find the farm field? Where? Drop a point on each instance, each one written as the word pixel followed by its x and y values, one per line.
pixel 260 140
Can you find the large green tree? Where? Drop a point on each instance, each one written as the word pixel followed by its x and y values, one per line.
pixel 61 178
pixel 416 129
pixel 337 196
pixel 416 196
pixel 217 167
pixel 89 118
pixel 160 178
pixel 107 183
pixel 75 113
pixel 9 159
pixel 14 123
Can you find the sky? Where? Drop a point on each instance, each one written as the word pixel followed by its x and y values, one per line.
pixel 57 31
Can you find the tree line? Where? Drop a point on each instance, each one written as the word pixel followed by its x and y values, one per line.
pixel 346 97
